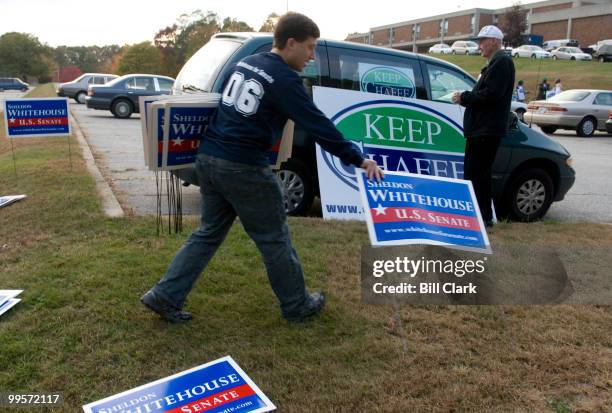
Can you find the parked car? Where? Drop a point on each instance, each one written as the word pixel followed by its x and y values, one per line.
pixel 528 50
pixel 77 89
pixel 440 48
pixel 609 123
pixel 570 53
pixel 527 158
pixel 551 45
pixel 120 96
pixel 464 47
pixel 603 53
pixel 519 108
pixel 583 110
pixel 13 83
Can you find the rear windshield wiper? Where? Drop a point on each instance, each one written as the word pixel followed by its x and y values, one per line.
pixel 192 88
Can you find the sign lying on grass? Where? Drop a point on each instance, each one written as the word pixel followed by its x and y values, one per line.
pixel 400 134
pixel 9 199
pixel 35 118
pixel 215 387
pixel 419 209
pixel 8 299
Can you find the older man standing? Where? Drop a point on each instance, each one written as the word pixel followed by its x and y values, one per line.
pixel 485 121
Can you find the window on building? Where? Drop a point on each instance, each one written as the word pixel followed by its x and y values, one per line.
pixel 473 22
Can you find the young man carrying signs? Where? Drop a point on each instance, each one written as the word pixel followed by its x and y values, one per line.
pixel 235 179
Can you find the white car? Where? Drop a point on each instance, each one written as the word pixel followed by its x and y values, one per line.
pixel 440 48
pixel 519 108
pixel 570 53
pixel 528 50
pixel 465 47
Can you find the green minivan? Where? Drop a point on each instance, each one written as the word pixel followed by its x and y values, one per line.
pixel 530 172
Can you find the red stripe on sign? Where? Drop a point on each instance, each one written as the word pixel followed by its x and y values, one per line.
pixel 276 146
pixel 215 400
pixel 389 214
pixel 180 145
pixel 28 122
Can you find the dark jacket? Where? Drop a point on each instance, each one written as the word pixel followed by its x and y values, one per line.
pixel 259 97
pixel 488 104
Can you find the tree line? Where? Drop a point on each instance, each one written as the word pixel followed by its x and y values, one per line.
pixel 24 55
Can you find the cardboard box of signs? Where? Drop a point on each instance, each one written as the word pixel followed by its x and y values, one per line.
pixel 172 127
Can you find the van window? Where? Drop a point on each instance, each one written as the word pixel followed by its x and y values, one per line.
pixel 202 68
pixel 445 81
pixel 375 72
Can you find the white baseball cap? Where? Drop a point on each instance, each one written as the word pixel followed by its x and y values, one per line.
pixel 491 32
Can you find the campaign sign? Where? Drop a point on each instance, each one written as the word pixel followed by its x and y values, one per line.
pixel 406 208
pixel 215 387
pixel 387 80
pixel 400 134
pixel 41 117
pixel 183 132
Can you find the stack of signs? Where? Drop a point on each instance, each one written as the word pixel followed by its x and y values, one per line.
pixel 8 299
pixel 174 144
pixel 9 199
pixel 40 117
pixel 401 134
pixel 215 387
pixel 407 208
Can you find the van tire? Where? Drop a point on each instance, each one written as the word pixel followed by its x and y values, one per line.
pixel 296 186
pixel 529 195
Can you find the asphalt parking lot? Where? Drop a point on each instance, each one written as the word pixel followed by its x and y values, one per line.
pixel 117 147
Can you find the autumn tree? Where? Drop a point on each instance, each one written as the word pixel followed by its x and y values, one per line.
pixel 270 24
pixel 513 23
pixel 24 55
pixel 140 58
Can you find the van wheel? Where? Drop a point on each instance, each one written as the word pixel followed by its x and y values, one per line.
pixel 586 127
pixel 80 97
pixel 572 58
pixel 530 195
pixel 548 129
pixel 297 187
pixel 122 109
pixel 555 57
pixel 533 56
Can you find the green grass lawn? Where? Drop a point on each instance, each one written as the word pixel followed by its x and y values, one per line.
pixel 573 75
pixel 81 330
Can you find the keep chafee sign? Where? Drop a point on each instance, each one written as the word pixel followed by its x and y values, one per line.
pixel 407 208
pixel 33 118
pixel 215 387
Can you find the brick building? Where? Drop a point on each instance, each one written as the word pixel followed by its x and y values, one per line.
pixel 587 21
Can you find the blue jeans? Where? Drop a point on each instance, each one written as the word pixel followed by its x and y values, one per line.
pixel 252 193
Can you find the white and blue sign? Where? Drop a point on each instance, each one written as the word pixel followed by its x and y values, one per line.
pixel 215 387
pixel 186 125
pixel 34 118
pixel 406 208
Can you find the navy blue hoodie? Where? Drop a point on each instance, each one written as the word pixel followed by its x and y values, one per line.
pixel 259 97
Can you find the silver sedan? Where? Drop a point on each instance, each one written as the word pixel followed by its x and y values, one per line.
pixel 570 53
pixel 583 110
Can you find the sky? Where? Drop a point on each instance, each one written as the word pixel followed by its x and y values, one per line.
pixel 86 22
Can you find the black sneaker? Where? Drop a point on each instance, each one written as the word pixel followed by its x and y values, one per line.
pixel 168 312
pixel 314 305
